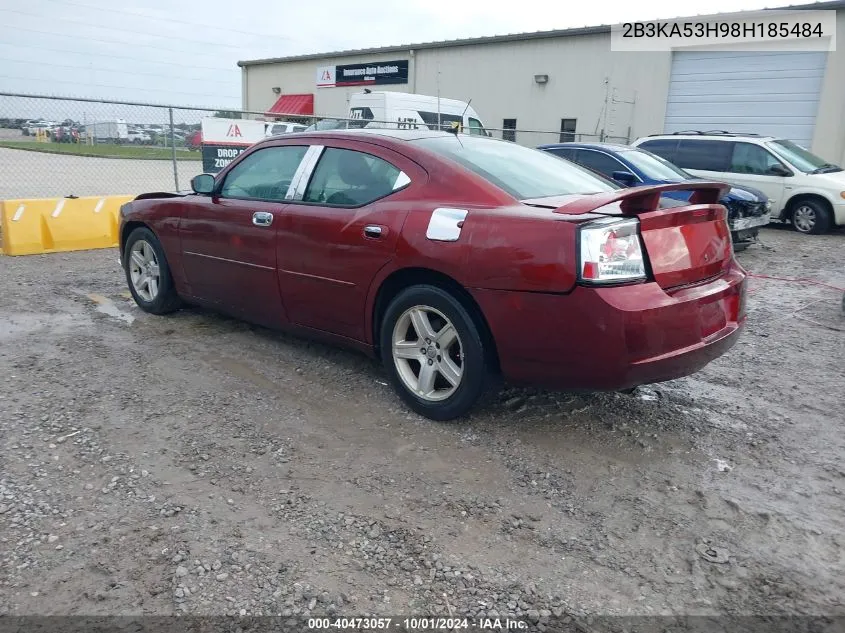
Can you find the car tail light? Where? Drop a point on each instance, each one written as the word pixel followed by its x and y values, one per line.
pixel 611 251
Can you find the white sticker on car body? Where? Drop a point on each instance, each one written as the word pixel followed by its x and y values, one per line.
pixel 445 224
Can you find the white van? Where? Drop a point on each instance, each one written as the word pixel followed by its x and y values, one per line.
pixel 804 189
pixel 410 111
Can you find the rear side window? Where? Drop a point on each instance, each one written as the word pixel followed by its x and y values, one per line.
pixel 602 163
pixel 265 174
pixel 563 152
pixel 704 155
pixel 346 178
pixel 664 147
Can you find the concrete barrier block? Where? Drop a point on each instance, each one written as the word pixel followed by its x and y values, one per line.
pixel 53 225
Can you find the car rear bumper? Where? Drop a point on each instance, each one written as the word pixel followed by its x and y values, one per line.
pixel 603 339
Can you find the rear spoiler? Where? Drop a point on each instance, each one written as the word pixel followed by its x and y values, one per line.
pixel 637 200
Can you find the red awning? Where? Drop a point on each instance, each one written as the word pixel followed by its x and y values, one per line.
pixel 293 104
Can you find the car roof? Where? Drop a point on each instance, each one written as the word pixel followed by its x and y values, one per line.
pixel 369 133
pixel 612 147
pixel 401 135
pixel 726 136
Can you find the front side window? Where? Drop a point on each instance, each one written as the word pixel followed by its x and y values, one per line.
pixel 265 174
pixel 521 172
pixel 752 159
pixel 703 155
pixel 346 178
pixel 476 128
pixel 598 161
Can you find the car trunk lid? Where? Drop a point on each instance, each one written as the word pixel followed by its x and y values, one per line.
pixel 686 241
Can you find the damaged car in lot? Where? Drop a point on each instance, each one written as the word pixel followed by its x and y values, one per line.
pixel 748 208
pixel 455 260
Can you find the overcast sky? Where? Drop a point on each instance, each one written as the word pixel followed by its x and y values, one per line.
pixel 185 51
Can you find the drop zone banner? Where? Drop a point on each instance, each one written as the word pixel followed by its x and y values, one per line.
pixel 372 74
pixel 224 139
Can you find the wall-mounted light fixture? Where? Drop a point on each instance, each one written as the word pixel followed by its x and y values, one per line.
pixel 541 79
pixel 277 90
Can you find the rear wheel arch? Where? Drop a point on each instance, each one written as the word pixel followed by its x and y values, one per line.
pixel 403 278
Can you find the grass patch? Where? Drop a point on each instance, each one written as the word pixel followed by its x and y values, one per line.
pixel 103 151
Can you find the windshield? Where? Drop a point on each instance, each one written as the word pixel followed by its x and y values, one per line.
pixel 800 158
pixel 655 167
pixel 522 172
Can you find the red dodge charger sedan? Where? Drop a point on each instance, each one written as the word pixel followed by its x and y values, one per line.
pixel 455 259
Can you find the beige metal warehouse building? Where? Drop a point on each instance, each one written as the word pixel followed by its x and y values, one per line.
pixel 570 81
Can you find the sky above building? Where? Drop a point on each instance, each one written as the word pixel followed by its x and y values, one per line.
pixel 186 51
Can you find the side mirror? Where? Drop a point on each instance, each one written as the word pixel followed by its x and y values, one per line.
pixel 624 177
pixel 778 170
pixel 203 184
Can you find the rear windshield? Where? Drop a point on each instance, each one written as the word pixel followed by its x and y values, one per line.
pixel 522 172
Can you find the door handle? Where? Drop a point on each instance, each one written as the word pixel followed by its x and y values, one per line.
pixel 262 218
pixel 373 230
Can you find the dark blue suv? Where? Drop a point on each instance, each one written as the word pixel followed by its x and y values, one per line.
pixel 748 209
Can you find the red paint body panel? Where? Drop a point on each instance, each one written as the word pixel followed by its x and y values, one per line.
pixel 327 263
pixel 316 271
pixel 228 261
pixel 687 244
pixel 613 338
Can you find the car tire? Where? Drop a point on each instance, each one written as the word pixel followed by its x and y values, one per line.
pixel 406 353
pixel 142 257
pixel 810 217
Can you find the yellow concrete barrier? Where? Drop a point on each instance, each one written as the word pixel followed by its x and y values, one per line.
pixel 53 225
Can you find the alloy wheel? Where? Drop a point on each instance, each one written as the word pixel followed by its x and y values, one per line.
pixel 144 270
pixel 427 353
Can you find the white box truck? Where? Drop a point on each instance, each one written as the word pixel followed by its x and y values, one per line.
pixel 115 131
pixel 403 110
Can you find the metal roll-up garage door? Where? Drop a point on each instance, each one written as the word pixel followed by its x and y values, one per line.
pixel 773 94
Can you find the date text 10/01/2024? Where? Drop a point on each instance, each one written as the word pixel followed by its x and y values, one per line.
pixel 417 624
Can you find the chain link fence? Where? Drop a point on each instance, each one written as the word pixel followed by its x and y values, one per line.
pixel 62 146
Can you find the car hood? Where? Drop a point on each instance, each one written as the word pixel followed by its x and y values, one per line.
pixel 746 194
pixel 833 179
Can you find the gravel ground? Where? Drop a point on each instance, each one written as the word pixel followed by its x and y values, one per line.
pixel 193 464
pixel 22 175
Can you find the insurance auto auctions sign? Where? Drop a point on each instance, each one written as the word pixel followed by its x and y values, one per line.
pixel 372 74
pixel 224 139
